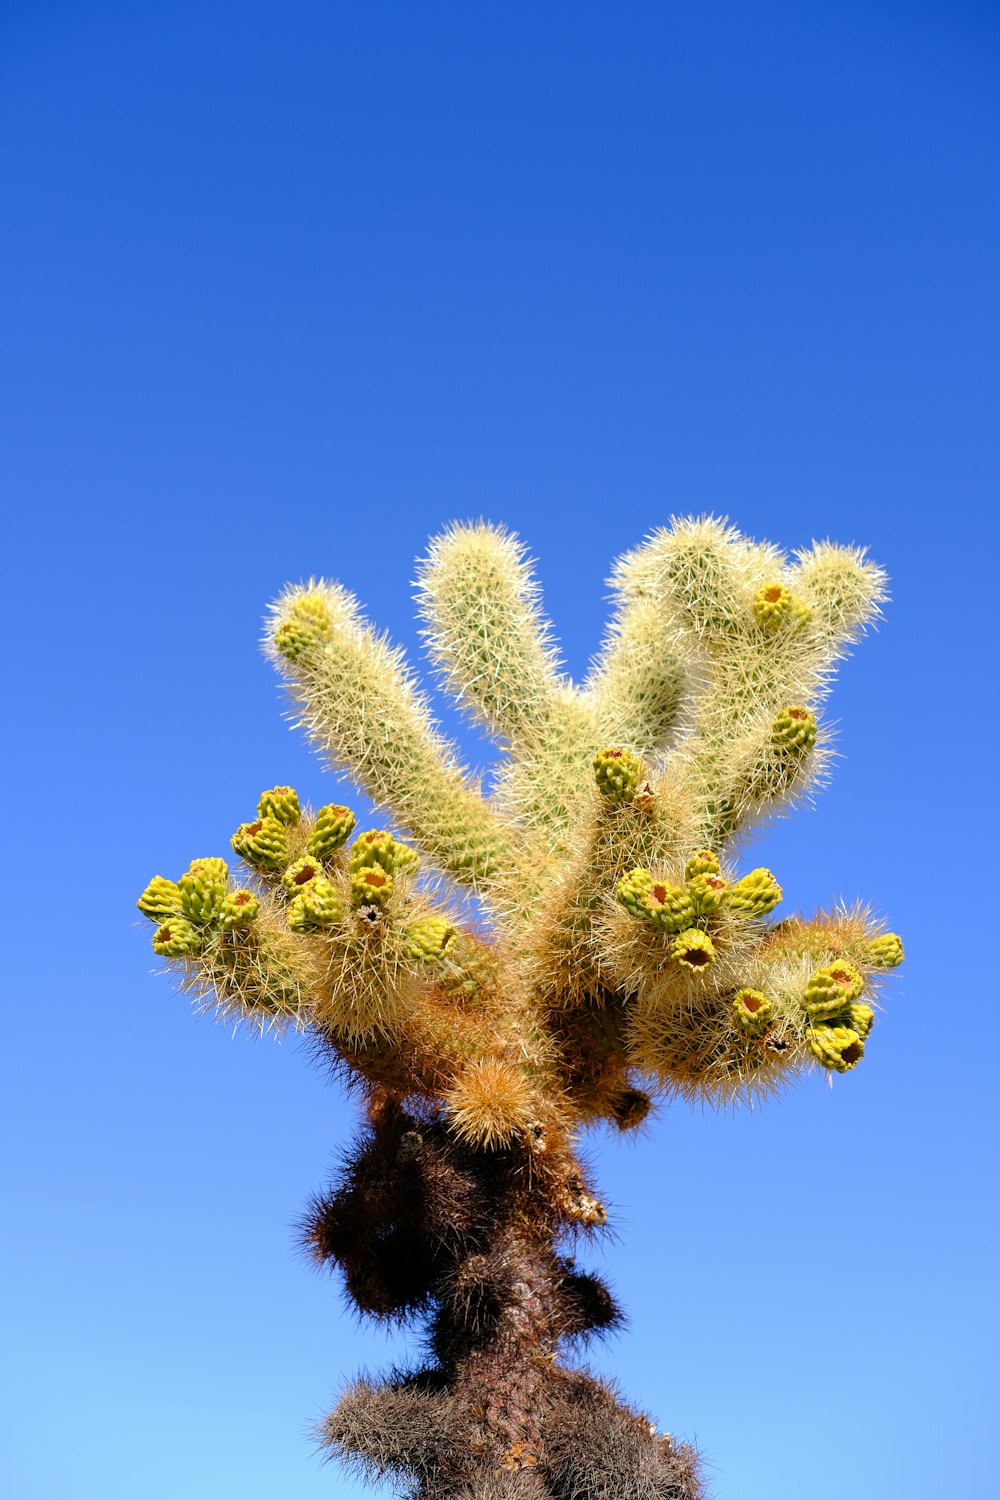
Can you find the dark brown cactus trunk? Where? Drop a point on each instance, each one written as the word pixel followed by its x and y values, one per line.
pixel 419 1224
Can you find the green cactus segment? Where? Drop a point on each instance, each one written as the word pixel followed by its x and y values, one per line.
pixel 300 873
pixel 331 830
pixel 753 1011
pixel 831 989
pixel 702 862
pixel 860 1018
pixel 633 890
pixel 617 773
pixel 202 889
pixel 239 909
pixel 262 844
pixel 707 891
pixel 316 907
pixel 281 802
pixel 178 938
pixel 161 898
pixel 305 628
pixel 794 729
pixel 371 885
pixel 839 1048
pixel 885 951
pixel 773 606
pixel 693 949
pixel 379 848
pixel 754 895
pixel 427 939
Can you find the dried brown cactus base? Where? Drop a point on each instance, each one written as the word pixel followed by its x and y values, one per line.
pixel 419 1224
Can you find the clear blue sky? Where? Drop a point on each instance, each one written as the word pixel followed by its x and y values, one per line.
pixel 285 288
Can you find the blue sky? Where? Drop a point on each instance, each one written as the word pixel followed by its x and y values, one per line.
pixel 288 287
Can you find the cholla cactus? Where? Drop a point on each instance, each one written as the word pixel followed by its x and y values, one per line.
pixel 626 957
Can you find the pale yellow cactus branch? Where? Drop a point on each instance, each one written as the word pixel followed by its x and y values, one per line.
pixel 359 704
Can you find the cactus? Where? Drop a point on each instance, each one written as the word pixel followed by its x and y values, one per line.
pixel 623 956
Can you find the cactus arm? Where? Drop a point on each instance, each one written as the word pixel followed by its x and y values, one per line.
pixel 359 704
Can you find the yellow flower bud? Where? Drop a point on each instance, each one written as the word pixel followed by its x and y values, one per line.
pixel 706 891
pixel 370 886
pixel 831 989
pixel 177 938
pixel 202 889
pixel 885 951
pixel 617 773
pixel 794 729
pixel 331 830
pixel 262 843
pixel 316 907
pixel 773 606
pixel 305 627
pixel 702 862
pixel 296 876
pixel 376 847
pixel 753 1011
pixel 693 949
pixel 160 898
pixel 836 1047
pixel 281 802
pixel 860 1018
pixel 754 895
pixel 427 939
pixel 239 909
pixel 633 890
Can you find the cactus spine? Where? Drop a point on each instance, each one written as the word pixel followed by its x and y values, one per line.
pixel 628 957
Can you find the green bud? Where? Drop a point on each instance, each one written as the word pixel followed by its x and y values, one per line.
pixel 305 627
pixel 669 907
pixel 885 951
pixel 755 895
pixel 177 938
pixel 239 909
pixel 633 890
pixel 702 862
pixel 831 989
pixel 706 891
pixel 794 729
pixel 262 844
pixel 836 1047
pixel 316 907
pixel 773 606
pixel 296 876
pixel 427 938
pixel 160 899
pixel 860 1018
pixel 376 847
pixel 753 1011
pixel 693 949
pixel 281 802
pixel 202 889
pixel 330 831
pixel 617 773
pixel 371 885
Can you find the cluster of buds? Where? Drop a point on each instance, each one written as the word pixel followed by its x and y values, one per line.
pixel 686 911
pixel 838 1024
pixel 190 910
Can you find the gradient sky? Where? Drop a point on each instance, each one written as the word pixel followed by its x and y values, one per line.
pixel 286 288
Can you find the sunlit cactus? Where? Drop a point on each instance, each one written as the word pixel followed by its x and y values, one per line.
pixel 620 953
